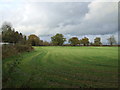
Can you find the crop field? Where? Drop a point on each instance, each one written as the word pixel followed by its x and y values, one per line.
pixel 62 67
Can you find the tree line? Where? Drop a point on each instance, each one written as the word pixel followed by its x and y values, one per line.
pixel 11 36
pixel 18 42
pixel 59 39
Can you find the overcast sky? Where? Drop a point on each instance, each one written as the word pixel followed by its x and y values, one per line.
pixel 45 19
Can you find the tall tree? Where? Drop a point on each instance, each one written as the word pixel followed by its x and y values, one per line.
pixel 97 41
pixel 111 40
pixel 74 41
pixel 58 39
pixel 84 41
pixel 7 33
pixel 33 40
pixel 24 40
pixel 5 26
pixel 10 35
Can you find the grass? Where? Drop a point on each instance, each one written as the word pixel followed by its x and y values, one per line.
pixel 63 67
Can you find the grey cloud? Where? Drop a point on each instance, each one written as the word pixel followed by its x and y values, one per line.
pixel 70 19
pixel 102 20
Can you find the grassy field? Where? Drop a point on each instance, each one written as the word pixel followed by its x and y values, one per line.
pixel 63 67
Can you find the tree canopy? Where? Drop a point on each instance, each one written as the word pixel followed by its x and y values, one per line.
pixel 84 41
pixel 10 35
pixel 58 39
pixel 74 41
pixel 97 41
pixel 33 40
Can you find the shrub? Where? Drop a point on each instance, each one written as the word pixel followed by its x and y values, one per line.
pixel 23 48
pixel 10 49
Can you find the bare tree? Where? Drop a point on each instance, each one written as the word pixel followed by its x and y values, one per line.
pixel 111 40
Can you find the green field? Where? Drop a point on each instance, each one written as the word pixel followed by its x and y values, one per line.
pixel 63 67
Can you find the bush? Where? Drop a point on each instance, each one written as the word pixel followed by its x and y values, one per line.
pixel 10 49
pixel 23 48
